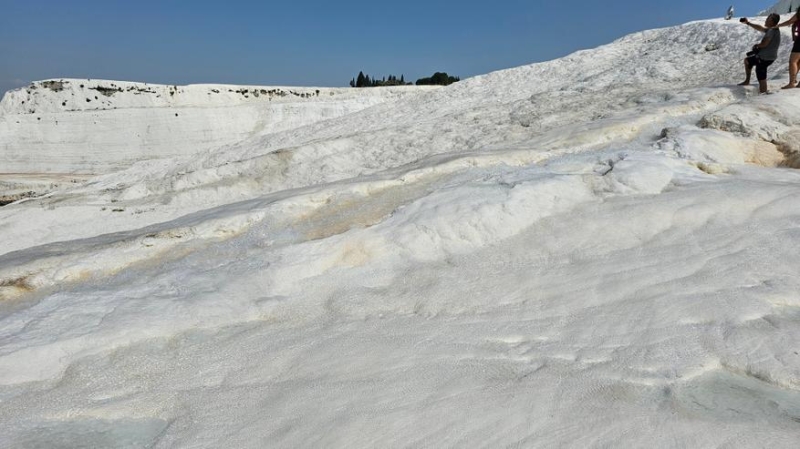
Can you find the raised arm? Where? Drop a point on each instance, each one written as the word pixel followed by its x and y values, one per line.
pixel 788 22
pixel 753 25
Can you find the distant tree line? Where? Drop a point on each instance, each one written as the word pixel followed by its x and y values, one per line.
pixel 365 81
pixel 438 79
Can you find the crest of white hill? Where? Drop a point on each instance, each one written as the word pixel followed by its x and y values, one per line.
pixel 614 93
pixel 783 7
pixel 593 251
pixel 98 126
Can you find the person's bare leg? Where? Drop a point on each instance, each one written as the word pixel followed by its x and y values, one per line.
pixel 796 57
pixel 748 70
pixel 762 86
pixel 794 65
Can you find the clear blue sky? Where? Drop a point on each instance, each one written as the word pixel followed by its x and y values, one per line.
pixel 312 42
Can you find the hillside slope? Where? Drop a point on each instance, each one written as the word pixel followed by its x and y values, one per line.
pixel 619 92
pixel 72 126
pixel 783 7
pixel 596 251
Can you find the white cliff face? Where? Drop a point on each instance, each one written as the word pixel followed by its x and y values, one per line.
pixel 72 126
pixel 596 251
pixel 783 7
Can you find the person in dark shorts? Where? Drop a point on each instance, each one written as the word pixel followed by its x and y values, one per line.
pixel 794 60
pixel 763 54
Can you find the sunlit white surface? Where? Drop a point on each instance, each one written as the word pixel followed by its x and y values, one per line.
pixel 597 251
